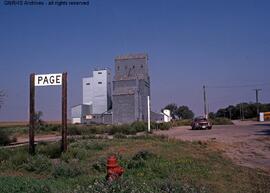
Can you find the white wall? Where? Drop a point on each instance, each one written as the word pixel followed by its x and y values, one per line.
pixel 76 120
pixel 87 90
pixel 97 91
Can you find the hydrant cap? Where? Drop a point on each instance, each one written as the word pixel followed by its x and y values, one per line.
pixel 112 161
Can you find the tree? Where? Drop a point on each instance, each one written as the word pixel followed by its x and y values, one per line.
pixel 211 115
pixel 183 112
pixel 2 95
pixel 264 107
pixel 173 108
pixel 37 118
pixel 242 110
pixel 221 113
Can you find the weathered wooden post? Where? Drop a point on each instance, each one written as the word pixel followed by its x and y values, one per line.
pixel 47 80
pixel 64 113
pixel 32 115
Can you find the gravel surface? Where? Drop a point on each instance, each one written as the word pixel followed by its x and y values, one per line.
pixel 246 143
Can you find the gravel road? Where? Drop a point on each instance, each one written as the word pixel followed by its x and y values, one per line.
pixel 246 143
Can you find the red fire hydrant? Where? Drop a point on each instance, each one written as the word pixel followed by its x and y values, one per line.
pixel 113 169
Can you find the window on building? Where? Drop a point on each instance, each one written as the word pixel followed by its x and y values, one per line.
pixel 118 67
pixel 99 72
pixel 141 66
pixel 87 83
pixel 99 82
pixel 133 66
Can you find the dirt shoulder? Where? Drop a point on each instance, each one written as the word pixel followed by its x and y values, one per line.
pixel 247 143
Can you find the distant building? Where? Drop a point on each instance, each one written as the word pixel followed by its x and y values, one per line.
pixel 97 91
pixel 167 115
pixel 131 86
pixel 79 113
pixel 96 97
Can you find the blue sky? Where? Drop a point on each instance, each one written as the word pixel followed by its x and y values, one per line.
pixel 189 42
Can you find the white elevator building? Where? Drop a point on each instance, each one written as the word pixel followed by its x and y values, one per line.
pixel 96 96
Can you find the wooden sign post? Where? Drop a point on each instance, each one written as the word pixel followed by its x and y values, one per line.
pixel 64 113
pixel 32 115
pixel 47 80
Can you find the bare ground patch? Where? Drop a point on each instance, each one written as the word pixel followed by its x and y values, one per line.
pixel 244 144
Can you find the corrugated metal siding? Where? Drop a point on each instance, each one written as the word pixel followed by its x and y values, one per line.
pixel 97 91
pixel 131 86
pixel 123 109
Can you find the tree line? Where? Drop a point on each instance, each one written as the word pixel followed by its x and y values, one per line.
pixel 240 111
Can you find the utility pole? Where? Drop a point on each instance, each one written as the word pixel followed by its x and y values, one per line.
pixel 204 100
pixel 243 112
pixel 257 100
pixel 240 111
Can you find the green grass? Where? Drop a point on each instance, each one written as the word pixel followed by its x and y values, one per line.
pixel 12 132
pixel 152 164
pixel 14 129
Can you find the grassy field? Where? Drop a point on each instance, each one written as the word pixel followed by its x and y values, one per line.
pixel 152 164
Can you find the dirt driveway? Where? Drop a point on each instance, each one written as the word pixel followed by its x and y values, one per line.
pixel 246 143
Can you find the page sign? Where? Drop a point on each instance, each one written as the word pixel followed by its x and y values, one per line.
pixel 48 79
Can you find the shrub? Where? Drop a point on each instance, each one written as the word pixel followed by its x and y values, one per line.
pixel 4 154
pixel 182 122
pixel 50 150
pixel 89 145
pixel 120 136
pixel 221 121
pixel 87 130
pixel 100 165
pixel 144 155
pixel 121 185
pixel 74 130
pixel 37 164
pixel 128 129
pixel 64 169
pixel 23 185
pixel 18 158
pixel 74 153
pixel 139 159
pixel 96 129
pixel 115 129
pixel 136 164
pixel 154 125
pixel 139 126
pixel 4 137
pixel 93 145
pixel 129 184
pixel 164 126
pixel 49 127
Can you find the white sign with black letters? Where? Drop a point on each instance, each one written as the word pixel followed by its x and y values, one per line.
pixel 48 79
